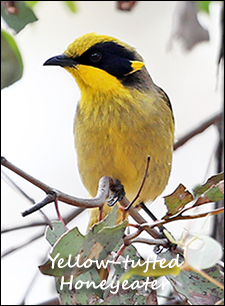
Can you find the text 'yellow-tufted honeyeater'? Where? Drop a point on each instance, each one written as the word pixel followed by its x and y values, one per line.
pixel 122 117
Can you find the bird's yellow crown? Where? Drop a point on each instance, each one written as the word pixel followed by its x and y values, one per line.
pixel 83 43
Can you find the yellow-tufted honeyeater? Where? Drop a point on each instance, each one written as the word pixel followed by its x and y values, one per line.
pixel 122 117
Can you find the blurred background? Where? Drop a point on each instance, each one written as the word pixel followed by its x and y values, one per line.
pixel 38 114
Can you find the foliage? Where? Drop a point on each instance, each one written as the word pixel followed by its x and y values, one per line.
pixel 17 15
pixel 77 258
pixel 11 60
pixel 204 5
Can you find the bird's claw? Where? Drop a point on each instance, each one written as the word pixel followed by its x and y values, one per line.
pixel 118 193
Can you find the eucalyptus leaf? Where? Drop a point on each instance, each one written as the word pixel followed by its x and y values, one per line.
pixel 197 289
pixel 71 5
pixel 214 180
pixel 176 201
pixel 52 235
pixel 11 61
pixel 74 253
pixel 82 296
pixel 68 244
pixel 18 20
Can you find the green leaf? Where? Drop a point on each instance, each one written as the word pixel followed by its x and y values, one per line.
pixel 83 295
pixel 75 248
pixel 17 21
pixel 215 179
pixel 11 61
pixel 52 235
pixel 31 4
pixel 197 289
pixel 71 5
pixel 204 6
pixel 109 220
pixel 215 193
pixel 68 244
pixel 97 246
pixel 177 200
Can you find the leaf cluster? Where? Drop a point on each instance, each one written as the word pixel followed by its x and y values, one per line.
pixel 17 15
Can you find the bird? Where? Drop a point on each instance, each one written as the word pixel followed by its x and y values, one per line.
pixel 122 117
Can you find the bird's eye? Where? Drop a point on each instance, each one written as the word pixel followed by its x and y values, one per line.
pixel 95 57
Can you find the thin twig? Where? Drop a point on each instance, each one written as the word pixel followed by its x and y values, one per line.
pixel 180 217
pixel 12 184
pixel 142 184
pixel 50 197
pixel 8 230
pixel 201 128
pixel 15 186
pixel 159 242
pixel 31 284
pixel 76 212
pixel 53 301
pixel 128 240
pixel 139 219
pixel 22 245
pixel 67 219
pixel 59 215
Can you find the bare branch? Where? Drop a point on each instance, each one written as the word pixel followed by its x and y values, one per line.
pixel 29 178
pixel 53 194
pixel 103 191
pixel 15 186
pixel 22 245
pixel 199 129
pixel 50 197
pixel 159 242
pixel 67 219
pixel 139 219
pixel 189 217
pixel 54 301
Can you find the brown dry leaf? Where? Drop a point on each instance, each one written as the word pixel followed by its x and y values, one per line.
pixel 177 200
pixel 126 5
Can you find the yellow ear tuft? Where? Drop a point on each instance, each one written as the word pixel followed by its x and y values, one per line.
pixel 136 65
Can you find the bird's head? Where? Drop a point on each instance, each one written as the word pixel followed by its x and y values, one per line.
pixel 100 62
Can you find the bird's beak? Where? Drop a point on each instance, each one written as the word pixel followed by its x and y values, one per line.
pixel 61 60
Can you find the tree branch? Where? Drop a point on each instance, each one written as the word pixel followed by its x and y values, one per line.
pixel 105 184
pixel 199 129
pixel 22 245
pixel 189 217
pixel 139 219
pixel 67 219
pixel 98 201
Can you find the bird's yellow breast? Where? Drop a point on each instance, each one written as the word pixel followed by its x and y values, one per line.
pixel 114 134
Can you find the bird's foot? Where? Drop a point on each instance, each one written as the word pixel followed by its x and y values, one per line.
pixel 117 193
